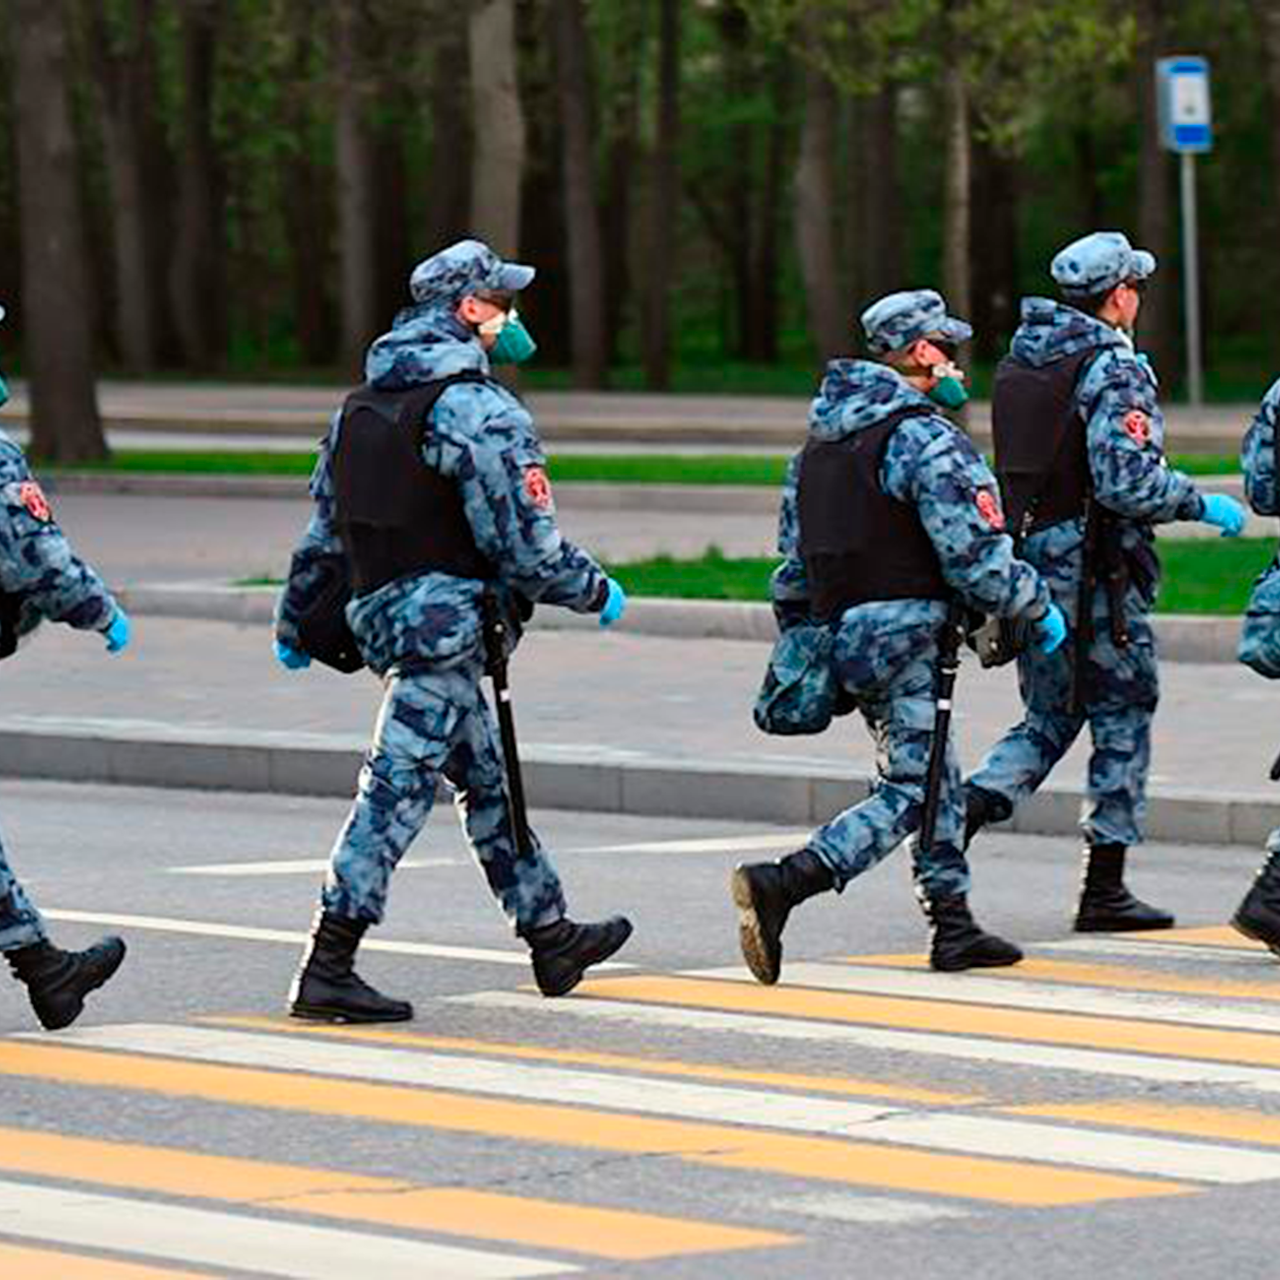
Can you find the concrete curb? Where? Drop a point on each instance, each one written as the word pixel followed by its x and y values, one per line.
pixel 153 754
pixel 1189 638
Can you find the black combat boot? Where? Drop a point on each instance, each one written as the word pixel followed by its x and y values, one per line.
pixel 959 942
pixel 764 893
pixel 982 808
pixel 326 987
pixel 58 981
pixel 1258 915
pixel 564 951
pixel 1106 906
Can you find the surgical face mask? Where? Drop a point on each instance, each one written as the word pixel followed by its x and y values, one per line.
pixel 4 390
pixel 515 343
pixel 949 391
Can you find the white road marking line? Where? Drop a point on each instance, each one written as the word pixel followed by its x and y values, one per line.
pixel 1100 1062
pixel 865 1209
pixel 1148 951
pixel 1013 993
pixel 712 844
pixel 292 867
pixel 248 933
pixel 239 1242
pixel 991 1136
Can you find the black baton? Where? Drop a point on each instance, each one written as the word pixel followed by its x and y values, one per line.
pixel 495 648
pixel 948 667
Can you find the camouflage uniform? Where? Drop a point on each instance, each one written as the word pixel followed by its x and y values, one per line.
pixel 1116 397
pixel 886 651
pixel 38 565
pixel 422 632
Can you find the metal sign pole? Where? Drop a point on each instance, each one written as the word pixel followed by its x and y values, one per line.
pixel 1191 280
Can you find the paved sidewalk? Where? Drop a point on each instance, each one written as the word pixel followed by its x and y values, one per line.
pixel 608 721
pixel 564 417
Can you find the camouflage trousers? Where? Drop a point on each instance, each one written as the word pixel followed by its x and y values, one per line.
pixel 898 703
pixel 20 922
pixel 1119 696
pixel 436 724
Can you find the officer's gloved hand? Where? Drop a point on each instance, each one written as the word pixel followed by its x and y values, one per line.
pixel 614 604
pixel 117 634
pixel 290 657
pixel 1225 513
pixel 1049 631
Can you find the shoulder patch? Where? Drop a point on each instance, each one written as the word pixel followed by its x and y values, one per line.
pixel 31 495
pixel 989 509
pixel 1137 426
pixel 537 487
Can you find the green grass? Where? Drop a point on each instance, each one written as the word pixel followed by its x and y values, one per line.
pixel 756 470
pixel 1202 575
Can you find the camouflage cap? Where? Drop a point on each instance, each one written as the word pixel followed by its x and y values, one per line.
pixel 464 268
pixel 901 318
pixel 1098 262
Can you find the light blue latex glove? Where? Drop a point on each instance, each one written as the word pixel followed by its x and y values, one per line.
pixel 1224 512
pixel 1050 631
pixel 289 657
pixel 117 633
pixel 614 604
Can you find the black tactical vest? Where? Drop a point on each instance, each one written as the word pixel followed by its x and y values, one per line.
pixel 395 515
pixel 856 541
pixel 1041 442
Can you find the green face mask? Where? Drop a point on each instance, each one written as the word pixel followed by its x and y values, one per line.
pixel 4 389
pixel 515 343
pixel 949 393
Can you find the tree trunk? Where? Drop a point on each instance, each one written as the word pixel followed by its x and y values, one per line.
pixel 449 191
pixel 57 323
pixel 877 196
pixel 498 123
pixel 353 148
pixel 815 228
pixel 195 283
pixel 1267 17
pixel 1160 309
pixel 586 282
pixel 994 251
pixel 663 196
pixel 126 92
pixel 956 200
pixel 763 291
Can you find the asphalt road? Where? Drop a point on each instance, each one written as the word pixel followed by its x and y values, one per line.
pixel 866 1116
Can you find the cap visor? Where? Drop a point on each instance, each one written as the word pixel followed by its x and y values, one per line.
pixel 514 276
pixel 955 330
pixel 1144 264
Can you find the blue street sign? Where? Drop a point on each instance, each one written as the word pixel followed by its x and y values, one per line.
pixel 1184 105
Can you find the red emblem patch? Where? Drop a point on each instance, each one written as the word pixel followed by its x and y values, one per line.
pixel 989 509
pixel 1137 427
pixel 538 487
pixel 32 497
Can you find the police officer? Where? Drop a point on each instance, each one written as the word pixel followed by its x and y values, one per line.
pixel 1258 915
pixel 1079 449
pixel 888 513
pixel 41 578
pixel 467 511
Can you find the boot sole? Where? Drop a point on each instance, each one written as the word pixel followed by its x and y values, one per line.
pixel 319 1013
pixel 765 968
pixel 1272 945
pixel 975 964
pixel 596 957
pixel 1119 926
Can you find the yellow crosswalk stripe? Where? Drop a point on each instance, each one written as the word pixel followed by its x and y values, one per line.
pixel 716 1145
pixel 1223 1123
pixel 622 1062
pixel 22 1262
pixel 1077 1030
pixel 1096 975
pixel 389 1202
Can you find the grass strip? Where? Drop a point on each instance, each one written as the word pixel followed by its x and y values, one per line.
pixel 755 470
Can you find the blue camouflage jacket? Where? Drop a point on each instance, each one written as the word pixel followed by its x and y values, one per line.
pixel 934 467
pixel 484 438
pixel 36 560
pixel 1258 455
pixel 1116 397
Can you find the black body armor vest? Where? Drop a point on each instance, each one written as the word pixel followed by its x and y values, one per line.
pixel 857 542
pixel 395 515
pixel 1041 442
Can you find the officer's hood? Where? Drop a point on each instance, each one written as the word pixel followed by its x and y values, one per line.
pixel 1053 330
pixel 857 394
pixel 426 342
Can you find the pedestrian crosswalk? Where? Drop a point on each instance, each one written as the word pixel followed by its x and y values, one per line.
pixel 1068 1044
